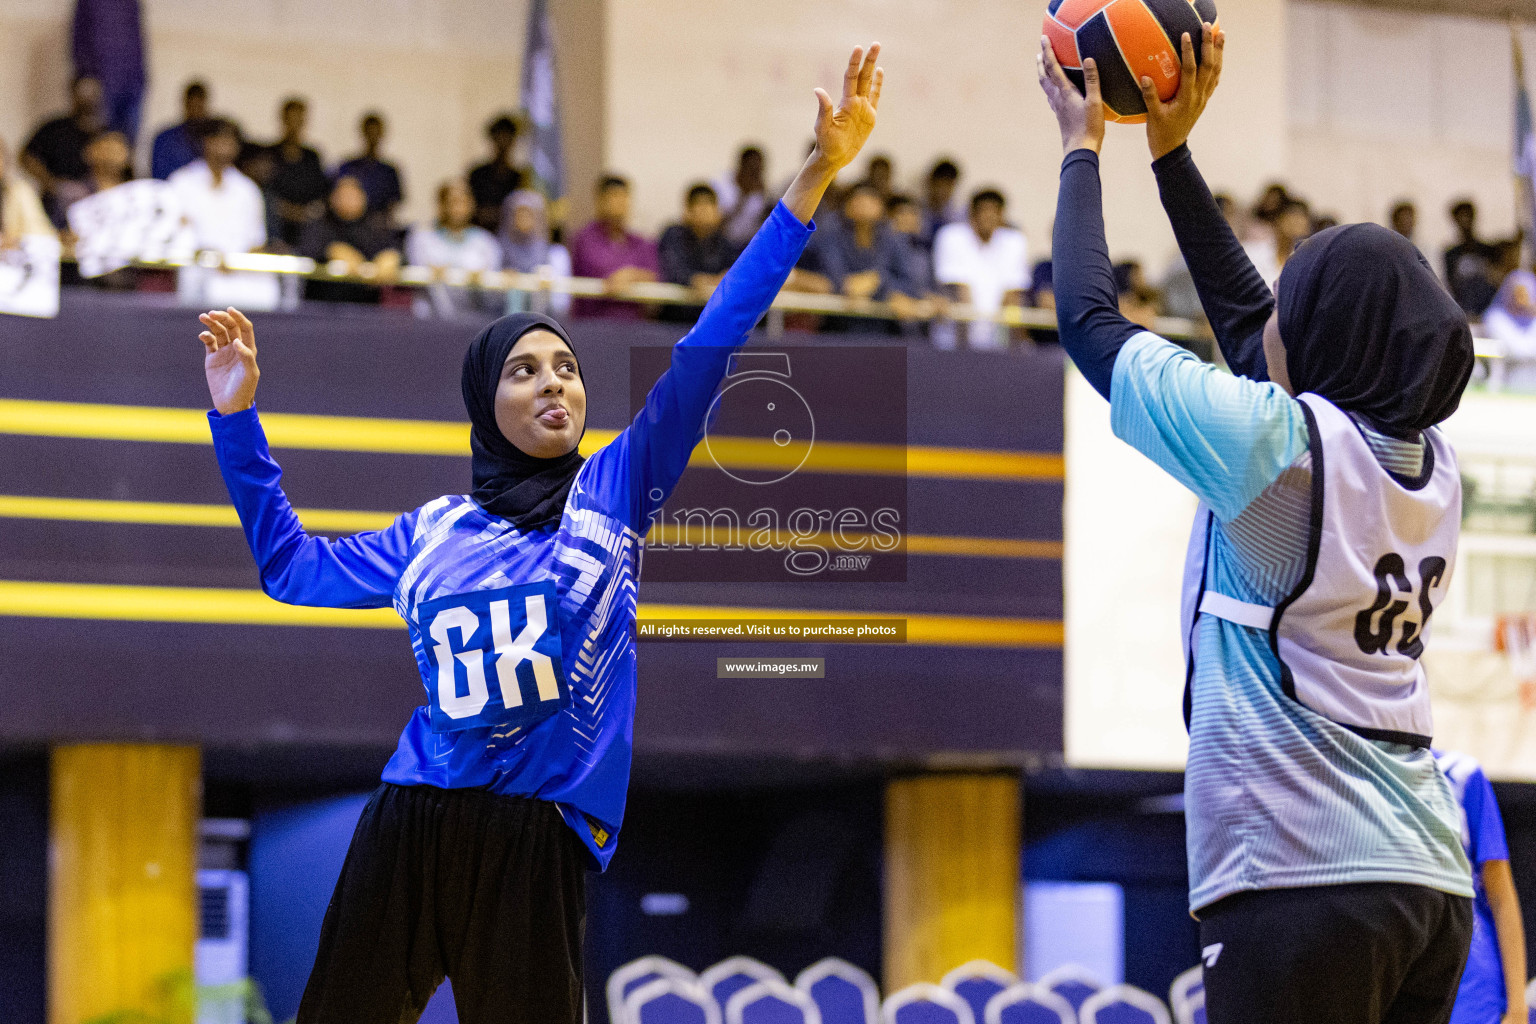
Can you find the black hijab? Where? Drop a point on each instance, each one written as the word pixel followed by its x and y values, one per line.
pixel 1368 326
pixel 509 482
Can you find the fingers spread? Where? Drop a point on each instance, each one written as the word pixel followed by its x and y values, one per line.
pixel 874 91
pixel 1187 47
pixel 208 342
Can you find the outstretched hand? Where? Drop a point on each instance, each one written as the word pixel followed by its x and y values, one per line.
pixel 1169 124
pixel 842 130
pixel 1080 117
pixel 230 362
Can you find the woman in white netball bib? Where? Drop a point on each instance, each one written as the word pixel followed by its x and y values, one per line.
pixel 1324 845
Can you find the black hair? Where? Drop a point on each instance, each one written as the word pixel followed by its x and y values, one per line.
pixel 609 181
pixel 897 200
pixel 212 127
pixel 1403 206
pixel 197 87
pixel 945 168
pixel 1461 206
pixel 295 101
pixel 988 195
pixel 372 116
pixel 880 158
pixel 747 151
pixel 699 190
pixel 502 123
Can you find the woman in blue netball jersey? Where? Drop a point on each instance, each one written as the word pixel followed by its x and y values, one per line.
pixel 468 862
pixel 1325 856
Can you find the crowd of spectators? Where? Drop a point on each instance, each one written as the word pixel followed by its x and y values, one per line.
pixel 919 254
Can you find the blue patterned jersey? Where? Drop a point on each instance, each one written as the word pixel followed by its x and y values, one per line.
pixel 533 631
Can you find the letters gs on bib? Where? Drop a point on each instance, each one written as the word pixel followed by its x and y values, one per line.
pixel 495 657
pixel 1393 592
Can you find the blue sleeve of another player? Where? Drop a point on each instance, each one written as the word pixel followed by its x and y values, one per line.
pixel 1226 438
pixel 354 572
pixel 1484 823
pixel 654 450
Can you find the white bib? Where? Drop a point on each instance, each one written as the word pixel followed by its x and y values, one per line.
pixel 1379 562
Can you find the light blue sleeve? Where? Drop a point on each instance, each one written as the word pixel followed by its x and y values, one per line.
pixel 1226 438
pixel 359 571
pixel 648 458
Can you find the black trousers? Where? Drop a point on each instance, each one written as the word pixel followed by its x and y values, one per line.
pixel 488 890
pixel 1376 953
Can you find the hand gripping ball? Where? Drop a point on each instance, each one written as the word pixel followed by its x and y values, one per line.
pixel 1127 39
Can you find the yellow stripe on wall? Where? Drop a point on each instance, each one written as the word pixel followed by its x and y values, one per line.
pixel 438 437
pixel 171 513
pixel 224 606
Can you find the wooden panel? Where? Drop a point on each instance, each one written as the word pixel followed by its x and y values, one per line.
pixel 122 896
pixel 952 874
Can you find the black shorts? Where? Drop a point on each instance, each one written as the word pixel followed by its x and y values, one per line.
pixel 1377 953
pixel 487 890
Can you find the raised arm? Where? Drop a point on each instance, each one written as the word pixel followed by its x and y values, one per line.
pixel 1236 298
pixel 355 572
pixel 662 437
pixel 1087 303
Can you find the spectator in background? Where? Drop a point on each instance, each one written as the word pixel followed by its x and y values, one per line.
pixel 906 220
pixel 1270 202
pixel 497 178
pixel 1269 249
pixel 108 161
pixel 696 252
pixel 880 176
pixel 1492 986
pixel 56 151
pixel 984 263
pixel 379 178
pixel 939 206
pixel 743 195
pixel 1510 323
pixel 526 248
pixel 347 234
pixel 606 248
pixel 109 47
pixel 1404 219
pixel 224 210
pixel 177 146
pixel 1138 299
pixel 862 256
pixel 1469 263
pixel 455 242
pixel 259 164
pixel 21 211
pixel 298 185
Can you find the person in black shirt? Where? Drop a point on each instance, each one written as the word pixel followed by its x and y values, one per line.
pixel 497 178
pixel 56 151
pixel 298 183
pixel 380 178
pixel 696 253
pixel 363 243
pixel 1468 263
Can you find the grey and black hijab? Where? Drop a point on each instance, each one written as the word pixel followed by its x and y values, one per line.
pixel 508 482
pixel 1368 326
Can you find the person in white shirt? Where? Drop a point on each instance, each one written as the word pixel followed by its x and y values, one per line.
pixel 985 263
pixel 226 213
pixel 743 195
pixel 1511 324
pixel 455 242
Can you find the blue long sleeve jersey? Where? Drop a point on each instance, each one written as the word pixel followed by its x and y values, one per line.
pixel 579 758
pixel 1276 795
